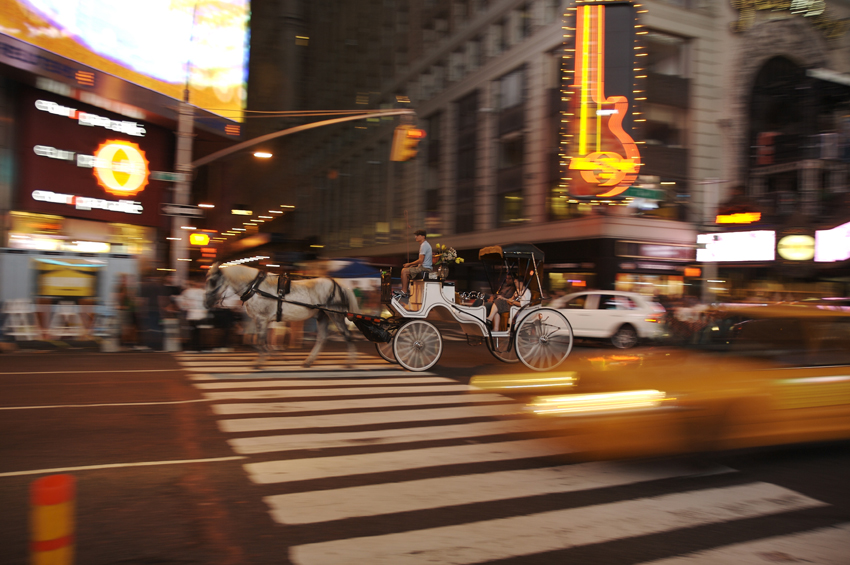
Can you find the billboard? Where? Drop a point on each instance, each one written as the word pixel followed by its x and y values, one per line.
pixel 736 246
pixel 83 162
pixel 157 44
pixel 601 157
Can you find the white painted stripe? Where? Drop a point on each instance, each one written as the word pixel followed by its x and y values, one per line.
pixel 272 362
pixel 113 371
pixel 360 419
pixel 826 546
pixel 561 529
pixel 112 404
pixel 301 393
pixel 267 444
pixel 366 383
pixel 349 374
pixel 324 467
pixel 353 403
pixel 294 367
pixel 118 466
pixel 374 500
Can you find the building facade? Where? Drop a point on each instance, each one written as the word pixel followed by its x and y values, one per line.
pixel 485 77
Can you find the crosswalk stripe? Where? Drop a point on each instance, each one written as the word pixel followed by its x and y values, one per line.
pixel 328 383
pixel 324 467
pixel 352 404
pixel 360 419
pixel 548 531
pixel 296 367
pixel 424 494
pixel 312 373
pixel 267 444
pixel 825 546
pixel 300 393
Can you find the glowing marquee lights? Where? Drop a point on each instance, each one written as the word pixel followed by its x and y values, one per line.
pixel 121 167
pixel 595 144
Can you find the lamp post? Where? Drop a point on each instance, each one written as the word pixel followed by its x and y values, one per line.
pixel 183 165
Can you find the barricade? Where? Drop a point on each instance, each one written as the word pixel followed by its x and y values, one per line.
pixel 20 320
pixel 52 501
pixel 66 322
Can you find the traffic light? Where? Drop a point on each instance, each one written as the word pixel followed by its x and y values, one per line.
pixel 405 140
pixel 199 239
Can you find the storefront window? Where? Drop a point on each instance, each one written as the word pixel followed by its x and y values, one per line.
pixel 650 285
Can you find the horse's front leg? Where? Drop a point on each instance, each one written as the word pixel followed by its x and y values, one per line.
pixel 321 336
pixel 261 326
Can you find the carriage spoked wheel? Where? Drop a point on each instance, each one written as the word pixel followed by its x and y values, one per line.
pixel 544 339
pixel 417 345
pixel 503 351
pixel 385 350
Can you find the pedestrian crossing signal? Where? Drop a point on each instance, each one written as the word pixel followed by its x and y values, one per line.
pixel 405 140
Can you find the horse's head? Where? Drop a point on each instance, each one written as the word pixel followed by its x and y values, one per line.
pixel 214 284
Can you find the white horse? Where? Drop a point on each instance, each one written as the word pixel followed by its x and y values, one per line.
pixel 257 294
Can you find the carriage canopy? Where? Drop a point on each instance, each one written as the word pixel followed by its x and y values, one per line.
pixel 512 250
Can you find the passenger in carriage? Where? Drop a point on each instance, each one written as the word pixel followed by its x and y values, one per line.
pixel 522 297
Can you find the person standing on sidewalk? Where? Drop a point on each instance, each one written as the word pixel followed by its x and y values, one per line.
pixel 191 302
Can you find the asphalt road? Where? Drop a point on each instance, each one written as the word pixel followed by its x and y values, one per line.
pixel 158 481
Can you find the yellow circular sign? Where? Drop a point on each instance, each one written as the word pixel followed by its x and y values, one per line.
pixel 121 167
pixel 796 248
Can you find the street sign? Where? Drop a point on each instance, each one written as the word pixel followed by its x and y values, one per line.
pixel 648 193
pixel 169 177
pixel 187 210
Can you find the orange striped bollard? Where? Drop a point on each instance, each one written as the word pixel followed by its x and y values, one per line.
pixel 52 520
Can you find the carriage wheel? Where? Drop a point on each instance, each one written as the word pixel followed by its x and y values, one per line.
pixel 502 350
pixel 417 345
pixel 385 350
pixel 544 339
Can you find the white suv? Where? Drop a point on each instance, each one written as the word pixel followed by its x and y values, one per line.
pixel 622 317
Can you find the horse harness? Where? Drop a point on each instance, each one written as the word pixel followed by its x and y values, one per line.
pixel 283 285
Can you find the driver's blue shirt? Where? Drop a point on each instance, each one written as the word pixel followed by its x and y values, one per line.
pixel 425 249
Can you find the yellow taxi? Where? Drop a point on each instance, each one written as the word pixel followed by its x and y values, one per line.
pixel 751 377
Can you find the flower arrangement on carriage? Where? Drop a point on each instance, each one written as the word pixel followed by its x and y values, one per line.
pixel 444 257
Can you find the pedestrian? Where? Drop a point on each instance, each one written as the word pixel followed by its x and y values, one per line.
pixel 154 300
pixel 191 302
pixel 422 264
pixel 126 303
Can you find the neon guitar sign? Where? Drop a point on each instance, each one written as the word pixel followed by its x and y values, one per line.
pixel 603 153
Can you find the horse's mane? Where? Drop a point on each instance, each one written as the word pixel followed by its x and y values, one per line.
pixel 239 274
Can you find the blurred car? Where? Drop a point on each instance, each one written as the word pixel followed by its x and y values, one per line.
pixel 753 377
pixel 624 318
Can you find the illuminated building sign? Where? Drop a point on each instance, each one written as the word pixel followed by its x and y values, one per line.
pixel 736 246
pixel 833 245
pixel 602 158
pixel 813 10
pixel 86 203
pixel 741 218
pixel 199 44
pixel 91 120
pixel 796 247
pixel 96 172
pixel 121 168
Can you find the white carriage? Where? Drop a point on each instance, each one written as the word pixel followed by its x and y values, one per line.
pixel 539 337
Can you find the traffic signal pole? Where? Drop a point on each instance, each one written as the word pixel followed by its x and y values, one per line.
pixel 182 192
pixel 185 165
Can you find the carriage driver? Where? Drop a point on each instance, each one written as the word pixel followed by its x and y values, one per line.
pixel 422 264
